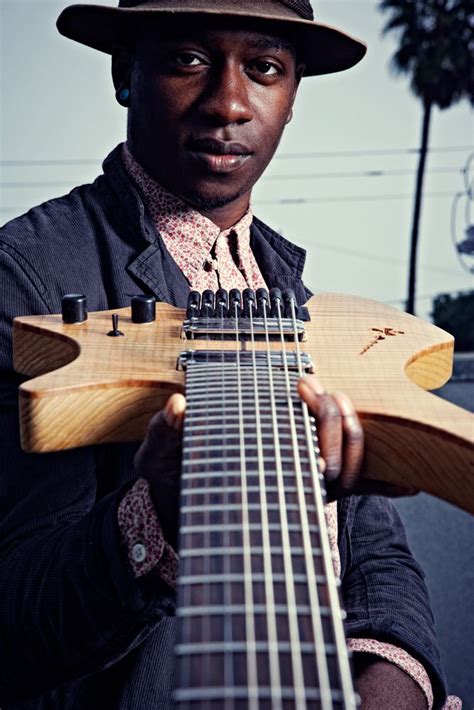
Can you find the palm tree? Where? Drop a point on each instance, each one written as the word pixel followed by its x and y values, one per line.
pixel 436 48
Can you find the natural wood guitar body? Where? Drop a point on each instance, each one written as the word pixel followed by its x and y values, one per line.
pixel 89 388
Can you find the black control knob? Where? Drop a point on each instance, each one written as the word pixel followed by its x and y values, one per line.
pixel 143 309
pixel 73 308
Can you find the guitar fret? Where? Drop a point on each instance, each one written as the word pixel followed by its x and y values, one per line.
pixel 237 609
pixel 245 408
pixel 237 459
pixel 218 390
pixel 201 379
pixel 191 579
pixel 292 527
pixel 222 427
pixel 182 649
pixel 233 447
pixel 291 490
pixel 245 692
pixel 209 551
pixel 215 507
pixel 192 420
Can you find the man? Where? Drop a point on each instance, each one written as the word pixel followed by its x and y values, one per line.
pixel 87 612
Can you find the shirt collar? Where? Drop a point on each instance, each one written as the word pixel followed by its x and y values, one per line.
pixel 180 224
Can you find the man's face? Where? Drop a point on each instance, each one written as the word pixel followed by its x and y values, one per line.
pixel 208 107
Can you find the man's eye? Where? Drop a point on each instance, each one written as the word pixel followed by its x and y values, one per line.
pixel 266 68
pixel 186 59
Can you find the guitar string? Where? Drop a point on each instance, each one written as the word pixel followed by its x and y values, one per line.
pixel 318 636
pixel 206 587
pixel 339 636
pixel 285 534
pixel 274 657
pixel 251 649
pixel 185 661
pixel 227 591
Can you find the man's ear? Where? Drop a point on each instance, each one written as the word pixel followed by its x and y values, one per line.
pixel 122 58
pixel 298 74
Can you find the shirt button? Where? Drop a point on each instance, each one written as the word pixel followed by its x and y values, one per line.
pixel 221 240
pixel 210 264
pixel 138 552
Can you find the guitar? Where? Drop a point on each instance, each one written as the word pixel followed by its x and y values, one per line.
pixel 259 615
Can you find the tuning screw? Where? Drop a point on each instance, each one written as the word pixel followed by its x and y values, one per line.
pixel 194 304
pixel 276 302
pixel 235 302
pixel 249 302
pixel 262 302
pixel 115 332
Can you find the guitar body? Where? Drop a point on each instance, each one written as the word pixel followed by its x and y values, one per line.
pixel 89 388
pixel 259 624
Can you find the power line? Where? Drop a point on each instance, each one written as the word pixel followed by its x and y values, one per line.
pixel 363 173
pixel 369 256
pixel 34 163
pixel 427 296
pixel 296 201
pixel 294 176
pixel 281 156
pixel 362 153
pixel 290 201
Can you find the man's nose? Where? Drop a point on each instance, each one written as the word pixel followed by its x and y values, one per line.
pixel 226 99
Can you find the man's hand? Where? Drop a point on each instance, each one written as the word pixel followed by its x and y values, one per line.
pixel 159 461
pixel 341 441
pixel 340 433
pixel 381 684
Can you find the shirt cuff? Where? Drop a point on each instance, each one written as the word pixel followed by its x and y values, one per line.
pixel 399 657
pixel 141 531
pixel 406 663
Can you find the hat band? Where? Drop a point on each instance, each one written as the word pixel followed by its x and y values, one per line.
pixel 279 9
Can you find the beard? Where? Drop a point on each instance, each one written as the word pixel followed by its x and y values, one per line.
pixel 208 202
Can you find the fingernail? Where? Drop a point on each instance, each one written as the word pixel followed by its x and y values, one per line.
pixel 345 404
pixel 313 384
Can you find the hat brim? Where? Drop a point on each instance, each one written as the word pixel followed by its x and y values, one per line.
pixel 324 49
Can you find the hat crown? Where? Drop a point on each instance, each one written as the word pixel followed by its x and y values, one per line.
pixel 300 7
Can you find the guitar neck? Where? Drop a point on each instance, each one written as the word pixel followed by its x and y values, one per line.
pixel 260 621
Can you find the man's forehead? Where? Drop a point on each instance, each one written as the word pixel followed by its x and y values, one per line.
pixel 257 34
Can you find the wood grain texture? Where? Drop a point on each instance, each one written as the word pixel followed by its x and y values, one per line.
pixel 381 357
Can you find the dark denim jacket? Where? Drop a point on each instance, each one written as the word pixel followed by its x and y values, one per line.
pixel 76 629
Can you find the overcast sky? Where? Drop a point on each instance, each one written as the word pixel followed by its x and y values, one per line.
pixel 58 104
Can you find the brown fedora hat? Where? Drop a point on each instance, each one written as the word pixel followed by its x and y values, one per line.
pixel 323 48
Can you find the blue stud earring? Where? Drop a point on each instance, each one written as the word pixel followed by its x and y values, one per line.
pixel 123 96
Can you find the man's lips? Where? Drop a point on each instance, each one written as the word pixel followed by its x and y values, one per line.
pixel 213 146
pixel 219 156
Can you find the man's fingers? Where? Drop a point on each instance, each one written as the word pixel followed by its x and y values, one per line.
pixel 161 448
pixel 353 442
pixel 329 422
pixel 174 412
pixel 340 433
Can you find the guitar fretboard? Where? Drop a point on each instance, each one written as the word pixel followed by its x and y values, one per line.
pixel 259 617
